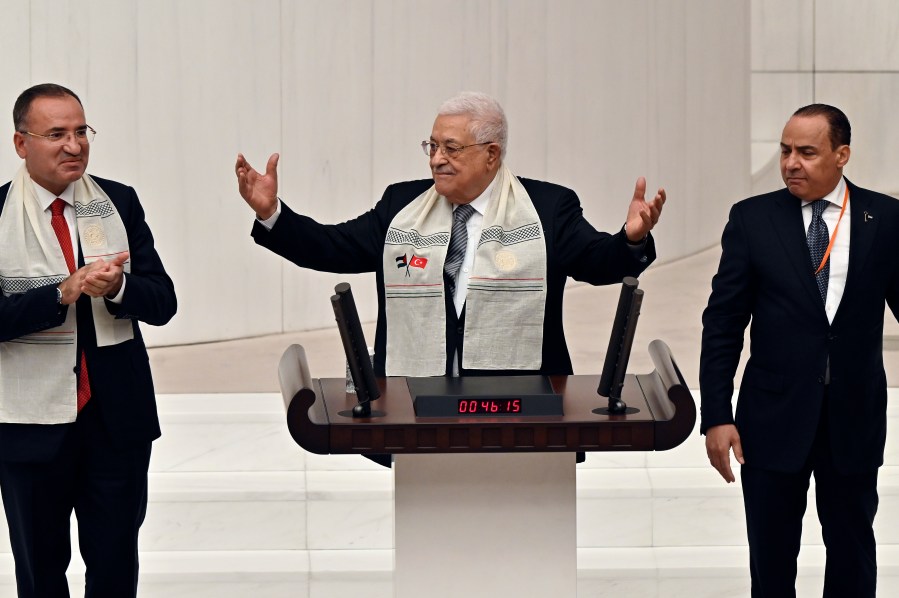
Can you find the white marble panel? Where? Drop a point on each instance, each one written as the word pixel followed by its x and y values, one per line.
pixel 342 463
pixel 613 483
pixel 620 521
pixel 236 406
pixel 423 53
pixel 226 447
pixel 891 449
pixel 668 129
pixel 622 562
pixel 857 36
pixel 5 546
pixel 712 561
pixel 597 109
pixel 60 47
pixel 886 524
pixel 722 523
pixel 783 35
pixel 519 73
pixel 765 162
pixel 328 563
pixel 613 459
pixel 110 90
pixel 716 148
pixel 868 99
pixel 705 587
pixel 225 525
pixel 776 96
pixel 208 82
pixel 888 560
pixel 227 589
pixel 326 139
pixel 764 180
pixel 231 486
pixel 350 485
pixel 223 565
pixel 358 586
pixel 811 527
pixel 614 586
pixel 349 524
pixel 15 76
pixel 690 453
pixel 693 482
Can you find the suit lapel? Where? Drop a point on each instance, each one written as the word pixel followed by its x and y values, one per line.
pixel 863 228
pixel 787 224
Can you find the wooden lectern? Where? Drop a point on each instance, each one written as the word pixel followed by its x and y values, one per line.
pixel 485 502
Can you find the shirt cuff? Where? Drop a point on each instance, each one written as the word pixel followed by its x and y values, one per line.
pixel 118 297
pixel 269 222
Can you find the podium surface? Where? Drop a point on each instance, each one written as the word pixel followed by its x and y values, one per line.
pixel 660 416
pixel 498 517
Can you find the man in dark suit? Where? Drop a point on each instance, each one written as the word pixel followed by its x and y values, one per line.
pixel 812 267
pixel 78 269
pixel 410 234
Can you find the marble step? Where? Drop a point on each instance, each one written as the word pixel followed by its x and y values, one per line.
pixel 353 510
pixel 695 572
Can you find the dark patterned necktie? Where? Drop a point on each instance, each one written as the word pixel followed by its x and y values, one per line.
pixel 457 245
pixel 818 239
pixel 61 228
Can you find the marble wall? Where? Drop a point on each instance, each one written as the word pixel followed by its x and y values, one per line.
pixel 839 53
pixel 597 93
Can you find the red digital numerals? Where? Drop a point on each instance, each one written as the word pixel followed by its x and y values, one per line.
pixel 488 406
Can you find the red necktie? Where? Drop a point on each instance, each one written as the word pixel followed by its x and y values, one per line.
pixel 58 222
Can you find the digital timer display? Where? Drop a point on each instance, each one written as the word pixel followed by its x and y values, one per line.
pixel 481 406
pixel 484 396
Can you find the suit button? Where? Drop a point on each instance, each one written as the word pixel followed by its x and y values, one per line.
pixel 820 379
pixel 459 330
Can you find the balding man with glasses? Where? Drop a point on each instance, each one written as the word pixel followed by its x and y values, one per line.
pixel 77 411
pixel 471 264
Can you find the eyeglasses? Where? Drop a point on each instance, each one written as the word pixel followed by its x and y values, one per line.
pixel 450 151
pixel 83 135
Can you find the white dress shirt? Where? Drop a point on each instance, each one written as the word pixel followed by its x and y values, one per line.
pixel 473 227
pixel 839 253
pixel 46 199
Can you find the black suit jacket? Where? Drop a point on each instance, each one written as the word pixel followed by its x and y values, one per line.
pixel 573 248
pixel 765 275
pixel 121 385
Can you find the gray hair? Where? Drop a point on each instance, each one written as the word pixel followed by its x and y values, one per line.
pixel 488 121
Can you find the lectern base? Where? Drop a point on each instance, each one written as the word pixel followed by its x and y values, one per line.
pixel 483 524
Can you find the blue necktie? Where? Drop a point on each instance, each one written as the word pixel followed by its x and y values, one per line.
pixel 457 245
pixel 818 239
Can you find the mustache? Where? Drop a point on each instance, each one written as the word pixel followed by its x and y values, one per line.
pixel 442 170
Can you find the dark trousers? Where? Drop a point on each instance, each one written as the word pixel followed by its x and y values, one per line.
pixel 775 503
pixel 107 489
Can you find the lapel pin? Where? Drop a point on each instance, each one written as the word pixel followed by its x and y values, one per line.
pixel 868 217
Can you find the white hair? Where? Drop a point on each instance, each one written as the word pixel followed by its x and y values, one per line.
pixel 488 121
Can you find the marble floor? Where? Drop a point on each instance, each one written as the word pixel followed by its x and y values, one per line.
pixel 237 509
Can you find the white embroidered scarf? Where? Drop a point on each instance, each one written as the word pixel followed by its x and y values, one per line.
pixel 37 384
pixel 506 298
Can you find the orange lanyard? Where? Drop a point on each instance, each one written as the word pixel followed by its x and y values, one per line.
pixel 833 237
